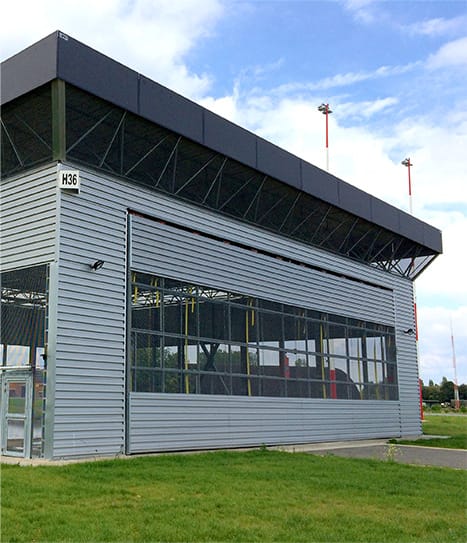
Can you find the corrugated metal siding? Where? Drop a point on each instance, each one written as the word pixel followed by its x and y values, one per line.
pixel 177 422
pixel 90 399
pixel 28 218
pixel 90 356
pixel 407 367
pixel 172 252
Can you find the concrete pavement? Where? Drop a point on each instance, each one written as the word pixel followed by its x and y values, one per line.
pixel 380 449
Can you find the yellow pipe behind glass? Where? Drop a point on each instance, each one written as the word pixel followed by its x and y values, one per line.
pixel 247 339
pixel 187 380
pixel 322 358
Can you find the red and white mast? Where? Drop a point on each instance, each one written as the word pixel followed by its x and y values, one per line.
pixel 406 162
pixel 457 402
pixel 324 108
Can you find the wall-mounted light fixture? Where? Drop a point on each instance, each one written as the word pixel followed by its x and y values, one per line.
pixel 409 332
pixel 97 265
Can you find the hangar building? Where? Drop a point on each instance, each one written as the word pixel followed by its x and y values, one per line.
pixel 171 281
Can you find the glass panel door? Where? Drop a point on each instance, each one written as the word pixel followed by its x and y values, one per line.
pixel 16 415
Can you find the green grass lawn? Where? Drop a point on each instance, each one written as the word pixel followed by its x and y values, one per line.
pixel 454 426
pixel 231 496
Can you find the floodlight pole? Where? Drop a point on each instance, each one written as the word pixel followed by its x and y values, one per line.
pixel 324 108
pixel 456 386
pixel 406 162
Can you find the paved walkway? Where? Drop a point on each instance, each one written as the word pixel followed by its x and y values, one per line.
pixel 381 450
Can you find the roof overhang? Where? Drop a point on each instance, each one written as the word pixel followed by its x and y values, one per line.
pixel 60 57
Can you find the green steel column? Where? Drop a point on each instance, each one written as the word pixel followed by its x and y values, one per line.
pixel 58 120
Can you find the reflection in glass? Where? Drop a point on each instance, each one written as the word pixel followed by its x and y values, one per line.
pixel 16 398
pixel 15 435
pixel 200 339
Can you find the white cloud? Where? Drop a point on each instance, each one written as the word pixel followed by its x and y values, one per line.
pixel 151 36
pixel 435 348
pixel 362 10
pixel 344 79
pixel 445 278
pixel 438 26
pixel 366 109
pixel 451 54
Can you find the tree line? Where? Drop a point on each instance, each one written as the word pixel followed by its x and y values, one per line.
pixel 444 392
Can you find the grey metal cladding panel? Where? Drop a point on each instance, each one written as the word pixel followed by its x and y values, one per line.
pixel 276 162
pixel 320 184
pixel 165 107
pixel 385 215
pixel 29 69
pixel 197 257
pixel 27 219
pixel 102 438
pixel 233 267
pixel 355 200
pixel 91 326
pixel 113 192
pixel 211 223
pixel 175 253
pixel 97 74
pixel 176 422
pixel 407 367
pixel 229 139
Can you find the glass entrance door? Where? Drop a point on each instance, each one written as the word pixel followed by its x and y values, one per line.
pixel 16 409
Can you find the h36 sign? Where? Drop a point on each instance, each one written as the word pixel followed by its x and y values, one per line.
pixel 68 179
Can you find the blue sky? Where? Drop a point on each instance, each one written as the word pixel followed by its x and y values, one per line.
pixel 394 72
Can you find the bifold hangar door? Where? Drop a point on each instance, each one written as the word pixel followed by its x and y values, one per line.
pixel 231 345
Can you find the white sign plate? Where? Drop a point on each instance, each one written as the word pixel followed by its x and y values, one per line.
pixel 68 179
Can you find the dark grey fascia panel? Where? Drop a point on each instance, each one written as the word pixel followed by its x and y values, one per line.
pixel 229 139
pixel 29 69
pixel 413 228
pixel 319 183
pixel 96 73
pixel 432 238
pixel 355 201
pixel 385 215
pixel 277 163
pixel 170 110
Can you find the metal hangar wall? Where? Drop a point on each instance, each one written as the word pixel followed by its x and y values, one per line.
pixel 199 288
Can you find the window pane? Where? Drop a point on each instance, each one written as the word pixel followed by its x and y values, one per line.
pixel 315 332
pixel 147 380
pixel 172 313
pixel 17 355
pixel 213 320
pixel 273 387
pixel 239 324
pixel 298 365
pixel 215 369
pixel 15 435
pixel 17 398
pixel 270 329
pixel 212 341
pixel 146 349
pixel 373 347
pixel 269 362
pixel 146 308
